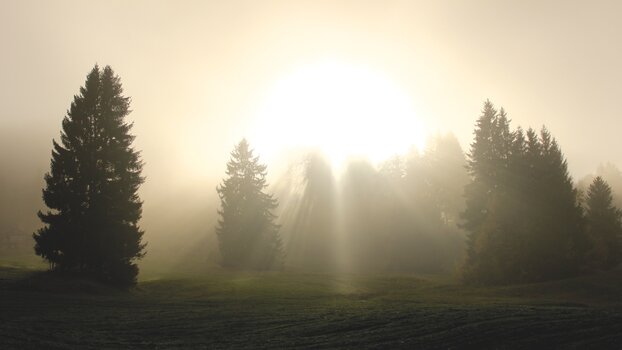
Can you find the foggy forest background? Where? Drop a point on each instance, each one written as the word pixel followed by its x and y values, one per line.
pixel 310 173
pixel 506 210
pixel 408 213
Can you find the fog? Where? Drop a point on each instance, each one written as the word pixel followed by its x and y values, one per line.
pixel 199 72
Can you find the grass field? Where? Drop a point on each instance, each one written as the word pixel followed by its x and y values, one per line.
pixel 283 310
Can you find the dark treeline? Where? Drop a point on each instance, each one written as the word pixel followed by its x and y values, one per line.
pixel 523 214
pixel 506 212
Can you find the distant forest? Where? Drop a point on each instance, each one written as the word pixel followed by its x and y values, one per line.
pixel 507 211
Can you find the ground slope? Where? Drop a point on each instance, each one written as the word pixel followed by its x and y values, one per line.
pixel 277 310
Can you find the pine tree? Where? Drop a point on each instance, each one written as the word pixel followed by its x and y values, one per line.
pixel 247 232
pixel 611 174
pixel 482 165
pixel 92 186
pixel 485 196
pixel 552 237
pixel 604 225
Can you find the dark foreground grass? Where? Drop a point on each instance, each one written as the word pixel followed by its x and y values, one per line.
pixel 286 310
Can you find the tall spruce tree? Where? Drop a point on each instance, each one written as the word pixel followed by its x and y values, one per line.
pixel 604 225
pixel 92 186
pixel 484 195
pixel 482 165
pixel 558 242
pixel 247 232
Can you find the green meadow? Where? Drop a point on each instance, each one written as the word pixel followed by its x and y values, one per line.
pixel 224 309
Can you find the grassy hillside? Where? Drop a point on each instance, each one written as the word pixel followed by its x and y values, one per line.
pixel 275 310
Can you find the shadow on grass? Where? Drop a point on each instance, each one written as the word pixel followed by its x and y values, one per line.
pixel 36 280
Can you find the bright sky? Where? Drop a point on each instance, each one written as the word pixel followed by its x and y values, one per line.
pixel 204 74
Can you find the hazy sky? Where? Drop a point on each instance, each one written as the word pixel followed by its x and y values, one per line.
pixel 198 71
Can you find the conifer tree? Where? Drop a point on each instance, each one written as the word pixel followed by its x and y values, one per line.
pixel 604 225
pixel 487 164
pixel 247 232
pixel 482 165
pixel 611 174
pixel 92 186
pixel 553 233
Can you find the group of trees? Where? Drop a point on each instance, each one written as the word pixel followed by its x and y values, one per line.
pixel 524 217
pixel 92 193
pixel 400 216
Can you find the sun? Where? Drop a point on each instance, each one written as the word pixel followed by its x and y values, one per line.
pixel 341 109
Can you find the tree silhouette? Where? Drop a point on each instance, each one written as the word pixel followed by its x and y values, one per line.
pixel 92 187
pixel 309 215
pixel 612 175
pixel 247 232
pixel 488 161
pixel 483 164
pixel 551 235
pixel 604 224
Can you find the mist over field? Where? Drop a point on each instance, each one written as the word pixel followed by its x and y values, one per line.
pixel 402 173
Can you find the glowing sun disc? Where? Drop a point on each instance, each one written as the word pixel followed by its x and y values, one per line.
pixel 340 109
